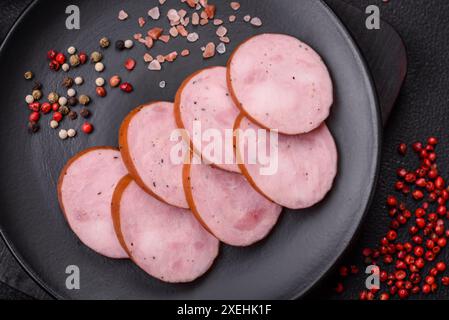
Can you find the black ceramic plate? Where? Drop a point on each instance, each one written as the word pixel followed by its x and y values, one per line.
pixel 302 248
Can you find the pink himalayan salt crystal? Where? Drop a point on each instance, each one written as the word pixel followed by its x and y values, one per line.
pixel 122 15
pixel 209 52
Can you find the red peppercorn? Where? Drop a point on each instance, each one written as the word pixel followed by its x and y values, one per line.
pixel 126 87
pixel 402 149
pixel 429 256
pixel 363 295
pixel 54 65
pixel 130 64
pixel 35 106
pixel 51 54
pixel 436 250
pixel 401 172
pixel 442 242
pixel 354 270
pixel 55 106
pixel 445 281
pixel 432 141
pixel 420 263
pixel 433 272
pixel 426 289
pixel 101 91
pixel 410 178
pixel 392 235
pixel 417 146
pixel 433 174
pixel 401 265
pixel 57 116
pixel 403 293
pixel 441 266
pixel 388 259
pixel 339 288
pixel 432 156
pixel 429 280
pixel 60 58
pixel 87 128
pixel 399 185
pixel 406 190
pixel 34 116
pixel 418 194
pixel 83 57
pixel 46 107
pixel 421 182
pixel 420 223
pixel 367 252
pixel 418 251
pixel 416 289
pixel 383 276
pixel 400 275
pixel 384 296
pixel 413 230
pixel 430 244
pixel 439 183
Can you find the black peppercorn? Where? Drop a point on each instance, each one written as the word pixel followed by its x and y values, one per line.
pixel 64 110
pixel 73 115
pixel 33 127
pixel 73 101
pixel 67 82
pixel 85 113
pixel 120 45
pixel 37 86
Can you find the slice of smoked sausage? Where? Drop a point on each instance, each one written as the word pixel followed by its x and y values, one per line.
pixel 203 99
pixel 280 83
pixel 85 190
pixel 146 149
pixel 300 173
pixel 228 206
pixel 166 242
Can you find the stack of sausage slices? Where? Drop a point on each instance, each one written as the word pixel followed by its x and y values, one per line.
pixel 169 217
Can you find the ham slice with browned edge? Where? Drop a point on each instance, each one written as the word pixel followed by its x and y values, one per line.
pixel 85 190
pixel 228 206
pixel 166 242
pixel 301 169
pixel 204 99
pixel 146 147
pixel 280 83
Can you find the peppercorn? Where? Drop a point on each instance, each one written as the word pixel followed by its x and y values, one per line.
pixel 37 86
pixel 33 127
pixel 53 97
pixel 28 75
pixel 126 87
pixel 51 54
pixel 72 101
pixel 101 91
pixel 120 45
pixel 67 82
pixel 115 81
pixel 37 94
pixel 46 107
pixel 74 60
pixel 96 57
pixel 104 42
pixel 72 115
pixel 54 65
pixel 60 58
pixel 55 106
pixel 64 110
pixel 83 57
pixel 34 116
pixel 87 128
pixel 57 116
pixel 84 100
pixel 85 113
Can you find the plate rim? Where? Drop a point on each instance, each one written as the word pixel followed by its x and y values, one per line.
pixel 374 175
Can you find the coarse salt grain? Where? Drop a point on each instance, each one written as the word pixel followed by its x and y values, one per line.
pixel 174 32
pixel 122 15
pixel 232 18
pixel 160 58
pixel 173 16
pixel 221 31
pixel 185 52
pixel 192 37
pixel 141 21
pixel 162 84
pixel 195 19
pixel 209 51
pixel 221 48
pixel 256 22
pixel 147 57
pixel 225 39
pixel 161 2
pixel 154 13
pixel 218 22
pixel 235 5
pixel 247 18
pixel 165 38
pixel 154 65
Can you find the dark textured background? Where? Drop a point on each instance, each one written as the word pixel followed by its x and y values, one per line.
pixel 421 111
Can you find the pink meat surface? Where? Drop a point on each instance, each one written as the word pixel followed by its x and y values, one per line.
pixel 167 242
pixel 281 83
pixel 231 209
pixel 305 166
pixel 150 147
pixel 205 98
pixel 86 187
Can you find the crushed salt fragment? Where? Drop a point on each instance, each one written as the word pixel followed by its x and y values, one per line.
pixel 154 13
pixel 185 52
pixel 160 58
pixel 171 56
pixel 203 22
pixel 174 32
pixel 218 22
pixel 235 5
pixel 122 15
pixel 195 19
pixel 225 39
pixel 192 37
pixel 182 31
pixel 221 48
pixel 165 38
pixel 141 22
pixel 232 18
pixel 147 57
pixel 154 65
pixel 256 22
pixel 247 18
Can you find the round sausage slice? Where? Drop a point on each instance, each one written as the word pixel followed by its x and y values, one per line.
pixel 85 189
pixel 167 242
pixel 280 83
pixel 203 102
pixel 227 205
pixel 299 170
pixel 146 147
